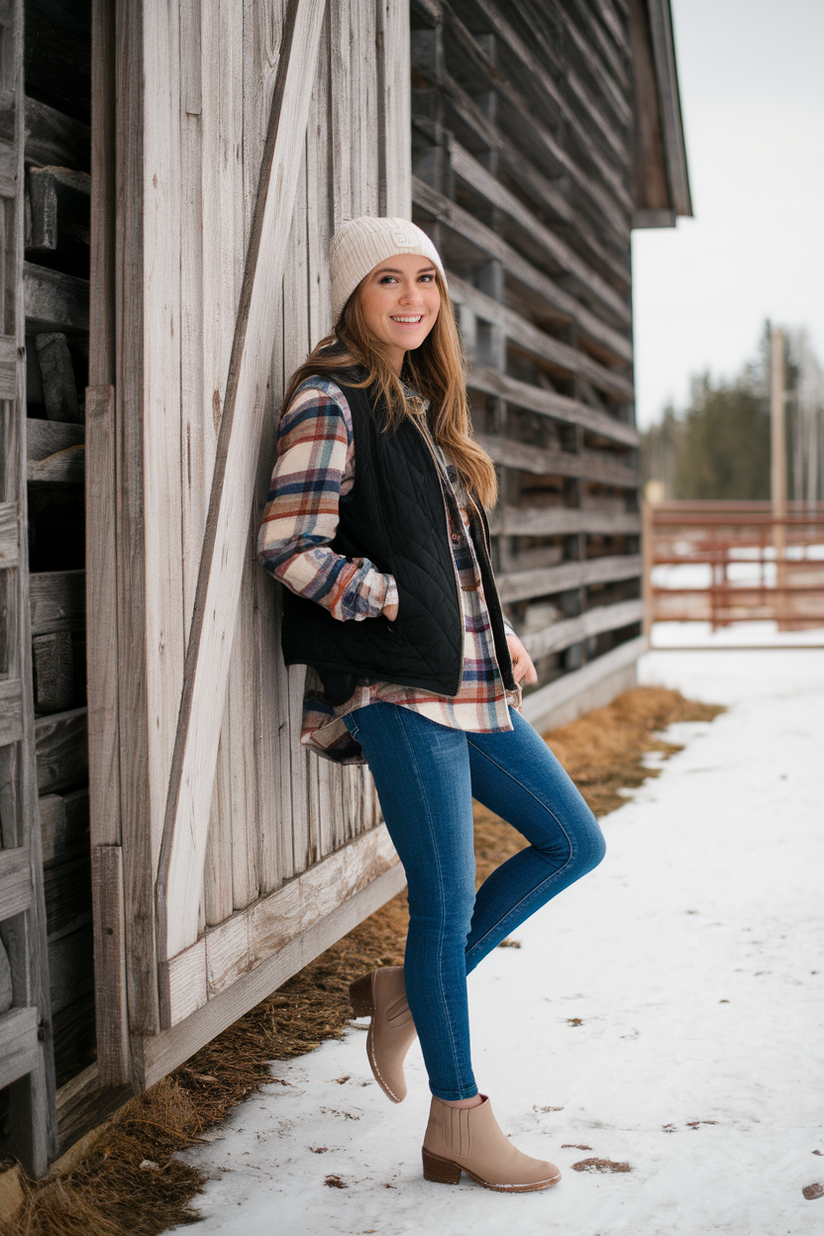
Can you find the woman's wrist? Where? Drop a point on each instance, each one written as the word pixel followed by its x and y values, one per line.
pixel 390 601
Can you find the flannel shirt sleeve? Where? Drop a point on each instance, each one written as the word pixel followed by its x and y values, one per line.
pixel 314 467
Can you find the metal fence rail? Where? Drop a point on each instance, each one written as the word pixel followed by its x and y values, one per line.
pixel 726 562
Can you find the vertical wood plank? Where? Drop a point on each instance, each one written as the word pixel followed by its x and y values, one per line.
pixel 394 108
pixel 319 235
pixel 241 749
pixel 138 865
pixel 305 806
pixel 272 725
pixel 217 890
pixel 217 874
pixel 263 25
pixel 231 877
pixel 103 660
pixel 319 194
pixel 238 778
pixel 162 327
pixel 101 618
pixel 110 964
pixel 197 435
pixel 365 71
pixel 345 163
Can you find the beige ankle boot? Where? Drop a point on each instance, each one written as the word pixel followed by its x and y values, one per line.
pixel 468 1139
pixel 381 995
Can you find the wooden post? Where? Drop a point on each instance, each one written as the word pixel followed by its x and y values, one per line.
pixel 647 557
pixel 778 458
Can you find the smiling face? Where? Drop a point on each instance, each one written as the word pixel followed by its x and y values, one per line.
pixel 399 302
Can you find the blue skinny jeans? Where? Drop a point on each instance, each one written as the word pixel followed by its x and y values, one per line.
pixel 426 776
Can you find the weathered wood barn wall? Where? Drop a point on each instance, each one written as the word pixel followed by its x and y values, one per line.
pixel 225 141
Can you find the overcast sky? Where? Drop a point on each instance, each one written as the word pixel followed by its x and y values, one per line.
pixel 752 93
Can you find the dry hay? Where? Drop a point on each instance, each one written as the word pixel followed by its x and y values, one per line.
pixel 132 1184
pixel 600 1165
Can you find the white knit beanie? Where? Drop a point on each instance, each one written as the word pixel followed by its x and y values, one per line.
pixel 359 244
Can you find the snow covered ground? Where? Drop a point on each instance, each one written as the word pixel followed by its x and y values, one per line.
pixel 665 1013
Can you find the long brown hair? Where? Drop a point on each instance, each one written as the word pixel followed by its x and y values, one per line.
pixel 436 370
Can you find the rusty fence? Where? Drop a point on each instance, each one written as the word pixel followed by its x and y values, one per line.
pixel 726 562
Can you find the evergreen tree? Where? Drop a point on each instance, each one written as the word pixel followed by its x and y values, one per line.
pixel 719 446
pixel 723 449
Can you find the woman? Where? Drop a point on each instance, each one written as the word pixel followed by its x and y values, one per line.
pixel 375 523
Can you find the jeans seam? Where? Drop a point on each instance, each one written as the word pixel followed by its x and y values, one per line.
pixel 512 909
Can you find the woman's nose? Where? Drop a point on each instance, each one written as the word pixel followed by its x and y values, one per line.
pixel 411 294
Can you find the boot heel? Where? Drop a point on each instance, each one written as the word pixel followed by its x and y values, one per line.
pixel 440 1170
pixel 360 994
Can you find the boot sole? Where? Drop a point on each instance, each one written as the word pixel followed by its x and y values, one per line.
pixel 362 999
pixel 445 1171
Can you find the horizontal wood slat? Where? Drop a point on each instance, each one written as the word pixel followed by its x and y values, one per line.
pixel 84 1102
pixel 64 825
pixel 562 521
pixel 229 951
pixel 15 881
pixel 57 601
pixel 54 138
pixel 44 438
pixel 58 200
pixel 548 403
pixel 591 465
pixel 8 535
pixel 538 343
pixel 63 466
pixel 572 630
pixel 18 1044
pixel 54 301
pixel 543 581
pixel 61 744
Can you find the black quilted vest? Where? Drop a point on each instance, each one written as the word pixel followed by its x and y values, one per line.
pixel 395 515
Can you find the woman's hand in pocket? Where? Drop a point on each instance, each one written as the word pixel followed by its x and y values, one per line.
pixel 390 608
pixel 522 666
